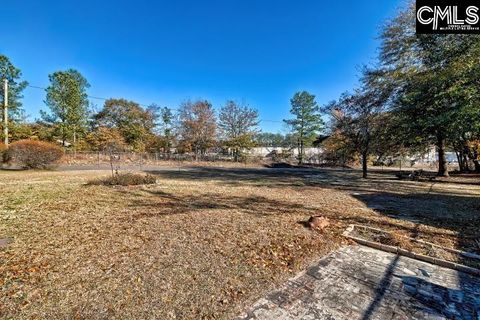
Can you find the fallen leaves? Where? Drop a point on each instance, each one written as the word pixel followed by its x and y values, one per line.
pixel 191 247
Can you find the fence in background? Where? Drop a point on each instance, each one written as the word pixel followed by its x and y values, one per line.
pixel 137 157
pixel 157 158
pixel 152 158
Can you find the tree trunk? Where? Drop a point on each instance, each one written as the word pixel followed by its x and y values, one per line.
pixel 235 154
pixel 442 160
pixel 300 154
pixel 74 143
pixel 169 144
pixel 461 165
pixel 64 134
pixel 476 162
pixel 64 138
pixel 364 165
pixel 465 162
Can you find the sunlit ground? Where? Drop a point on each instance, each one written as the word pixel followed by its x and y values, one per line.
pixel 201 243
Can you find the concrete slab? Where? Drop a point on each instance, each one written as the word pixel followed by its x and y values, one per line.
pixel 358 282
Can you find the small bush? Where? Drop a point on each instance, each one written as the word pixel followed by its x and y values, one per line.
pixel 125 179
pixel 32 154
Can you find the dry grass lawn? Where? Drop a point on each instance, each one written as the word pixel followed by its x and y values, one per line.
pixel 201 243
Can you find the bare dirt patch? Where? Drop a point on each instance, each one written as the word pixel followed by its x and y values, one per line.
pixel 200 244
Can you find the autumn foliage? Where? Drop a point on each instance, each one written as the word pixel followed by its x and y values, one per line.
pixel 104 138
pixel 198 126
pixel 2 149
pixel 32 154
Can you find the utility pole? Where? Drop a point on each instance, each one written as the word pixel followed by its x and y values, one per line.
pixel 5 111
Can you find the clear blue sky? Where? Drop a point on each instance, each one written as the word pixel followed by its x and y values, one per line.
pixel 257 51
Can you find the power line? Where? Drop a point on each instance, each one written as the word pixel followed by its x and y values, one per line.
pixel 35 87
pixel 144 105
pixel 91 97
pixel 265 120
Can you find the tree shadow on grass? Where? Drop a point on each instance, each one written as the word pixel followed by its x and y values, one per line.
pixel 349 180
pixel 245 176
pixel 460 214
pixel 169 204
pixel 454 209
pixel 416 202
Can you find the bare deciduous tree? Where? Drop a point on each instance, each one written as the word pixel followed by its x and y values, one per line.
pixel 197 126
pixel 238 125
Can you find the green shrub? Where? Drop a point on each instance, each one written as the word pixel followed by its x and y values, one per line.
pixel 125 179
pixel 32 154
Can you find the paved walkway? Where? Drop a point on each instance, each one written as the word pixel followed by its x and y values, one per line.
pixel 358 282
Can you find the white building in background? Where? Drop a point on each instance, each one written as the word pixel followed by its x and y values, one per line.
pixel 432 156
pixel 265 151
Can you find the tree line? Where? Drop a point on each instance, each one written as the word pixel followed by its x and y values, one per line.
pixel 423 91
pixel 124 125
